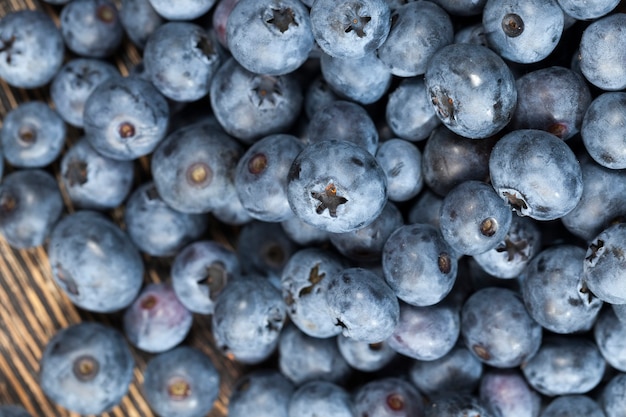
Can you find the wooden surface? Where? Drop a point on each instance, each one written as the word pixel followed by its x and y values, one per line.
pixel 33 308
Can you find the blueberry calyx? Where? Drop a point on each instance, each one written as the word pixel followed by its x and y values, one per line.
pixel 444 104
pixel 6 47
pixel 481 352
pixel 596 249
pixel 86 368
pixel 215 279
pixel 126 130
pixel 282 18
pixel 375 346
pixel 8 203
pixel 274 255
pixel 148 303
pixel 488 227
pixel 267 88
pixel 257 163
pixel 205 46
pixel 27 134
pixel 558 129
pixel 516 200
pixel 178 389
pixel 395 402
pixel 356 23
pixel 512 25
pixel 106 13
pixel 514 249
pixel 444 263
pixel 314 278
pixel 76 173
pixel 328 200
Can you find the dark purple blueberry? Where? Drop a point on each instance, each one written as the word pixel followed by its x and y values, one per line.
pixel 506 392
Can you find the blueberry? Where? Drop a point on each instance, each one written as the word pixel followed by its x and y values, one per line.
pixel 250 106
pixel 363 305
pixel 304 283
pixel 587 10
pixel 30 205
pixel 462 7
pixel 418 30
pixel 603 130
pixel 553 291
pixel 74 83
pixel 94 262
pixel 247 319
pixel 261 393
pixel 348 28
pixel 321 398
pixel 303 358
pixel 497 328
pixel 536 173
pixel 419 265
pixel 13 411
pixel 565 365
pixel 604 265
pixel 200 271
pixel 426 209
pixel 474 34
pixel 125 118
pixel 610 336
pixel 521 30
pixel 157 229
pixel 613 396
pixel 303 233
pixel 93 181
pixel 363 356
pixel 573 405
pixel 471 89
pixel 506 392
pixel 269 37
pixel 457 371
pixel 91 28
pixel 182 9
pixel 620 311
pixel 181 59
pixel 261 177
pixel 402 163
pixel 219 19
pixel 193 167
pixel 388 397
pixel 31 49
pixel 182 382
pixel 139 20
pixel 86 368
pixel 426 333
pixel 457 405
pixel 336 186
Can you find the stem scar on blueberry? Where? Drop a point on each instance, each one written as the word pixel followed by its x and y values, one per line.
pixel 355 22
pixel 178 389
pixel 126 130
pixel 481 352
pixel 257 163
pixel 395 402
pixel 586 291
pixel 27 134
pixel 444 263
pixel 199 174
pixel 488 227
pixel 328 200
pixel 282 18
pixel 106 13
pixel 314 278
pixel 558 129
pixel 375 346
pixel 205 46
pixel 274 254
pixel 148 302
pixel 512 25
pixel 215 279
pixel 85 368
pixel 76 173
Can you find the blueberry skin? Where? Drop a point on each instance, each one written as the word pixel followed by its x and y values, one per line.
pixel 303 358
pixel 336 186
pixel 363 305
pixel 199 273
pixel 523 31
pixel 94 262
pixel 554 294
pixel 426 209
pixel 91 28
pixel 419 265
pixel 565 365
pixel 462 7
pixel 620 311
pixel 589 10
pixel 497 329
pixel 364 80
pixel 553 99
pixel 419 29
pixel 303 233
pixel 350 29
pixel 603 129
pixel 261 393
pixel 74 83
pixel 471 34
pixel 506 392
pixel 537 173
pixel 343 120
pixel 32 135
pixel 13 411
pixel 604 265
pixel 31 49
pixel 272 37
pixel 247 319
pixel 363 356
pixel 449 159
pixel 457 405
pixel 139 20
pixel 86 368
pixel 426 333
pixel 93 181
pixel 30 205
pixel 613 396
pixel 402 162
pixel 610 336
pixel 573 405
pixel 471 89
pixel 321 398
pixel 318 95
pixel 304 284
pixel 261 177
pixel 388 397
pixel 193 167
pixel 157 229
pixel 182 382
pixel 458 371
pixel 125 118
pixel 181 60
pixel 409 113
pixel 473 218
pixel 182 10
pixel 219 19
pixel 249 106
pixel 597 49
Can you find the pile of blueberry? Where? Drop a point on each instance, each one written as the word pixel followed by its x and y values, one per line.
pixel 426 200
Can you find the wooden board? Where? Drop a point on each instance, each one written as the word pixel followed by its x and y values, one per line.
pixel 33 308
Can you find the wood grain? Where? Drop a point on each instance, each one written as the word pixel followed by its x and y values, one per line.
pixel 33 308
